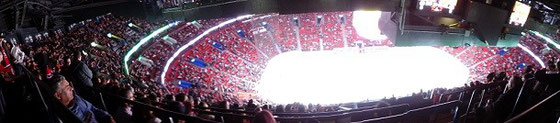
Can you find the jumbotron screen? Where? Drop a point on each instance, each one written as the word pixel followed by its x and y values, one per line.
pixel 520 13
pixel 437 5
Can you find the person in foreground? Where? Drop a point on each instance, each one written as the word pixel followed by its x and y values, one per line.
pixel 83 109
pixel 264 117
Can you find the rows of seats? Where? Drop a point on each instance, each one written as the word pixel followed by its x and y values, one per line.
pixel 454 51
pixel 55 56
pixel 228 74
pixel 331 31
pixel 235 44
pixel 229 71
pixel 258 43
pixel 284 32
pixel 308 31
pixel 159 52
pixel 244 51
pixel 264 42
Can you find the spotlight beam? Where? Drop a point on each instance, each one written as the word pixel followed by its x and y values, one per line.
pixel 142 42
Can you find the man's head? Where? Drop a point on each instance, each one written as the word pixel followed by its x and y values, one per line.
pixel 541 76
pixel 301 108
pixel 68 61
pixel 490 77
pixel 280 108
pixel 127 93
pixel 169 97
pixel 551 65
pixel 62 90
pixel 224 104
pixel 529 69
pixel 181 97
pixel 78 56
pixel 515 82
pixel 251 102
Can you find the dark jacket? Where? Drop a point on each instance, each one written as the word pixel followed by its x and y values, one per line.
pixel 87 112
pixel 505 103
pixel 81 77
pixel 82 74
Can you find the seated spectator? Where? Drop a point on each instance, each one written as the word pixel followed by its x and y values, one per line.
pixel 301 108
pixel 189 108
pixel 251 105
pixel 144 115
pixel 173 105
pixel 18 58
pixel 123 114
pixel 83 109
pixel 229 119
pixel 181 98
pixel 224 105
pixel 504 104
pixel 206 116
pixel 279 109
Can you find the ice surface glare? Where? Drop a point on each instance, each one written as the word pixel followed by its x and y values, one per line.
pixel 329 77
pixel 366 24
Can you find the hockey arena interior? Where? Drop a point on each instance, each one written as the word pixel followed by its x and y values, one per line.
pixel 279 61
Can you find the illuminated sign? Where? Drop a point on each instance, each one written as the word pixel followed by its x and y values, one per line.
pixel 437 5
pixel 520 13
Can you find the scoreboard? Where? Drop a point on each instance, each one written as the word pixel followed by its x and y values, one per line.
pixel 437 5
pixel 520 13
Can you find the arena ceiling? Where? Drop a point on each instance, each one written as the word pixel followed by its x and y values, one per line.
pixel 46 14
pixel 49 14
pixel 554 4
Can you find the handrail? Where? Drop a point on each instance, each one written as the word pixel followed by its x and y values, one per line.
pixel 519 94
pixel 155 109
pixel 296 114
pixel 57 106
pixel 73 118
pixel 334 116
pixel 226 110
pixel 524 113
pixel 484 86
pixel 345 114
pixel 224 114
pixel 394 118
pixel 325 115
pixel 367 108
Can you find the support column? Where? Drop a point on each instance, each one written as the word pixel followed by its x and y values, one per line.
pixel 24 11
pixel 17 17
pixel 402 19
pixel 46 23
pixel 298 39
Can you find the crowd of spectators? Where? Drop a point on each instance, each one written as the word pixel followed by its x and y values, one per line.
pixel 160 51
pixel 182 4
pixel 70 58
pixel 482 60
pixel 285 30
pixel 235 69
pixel 231 72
